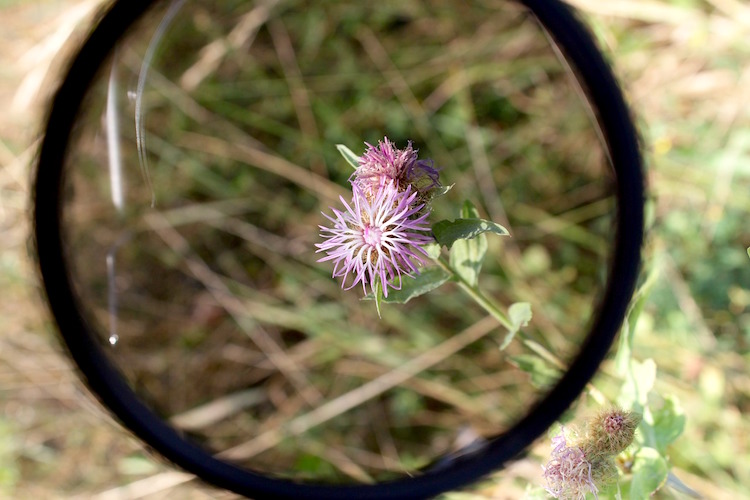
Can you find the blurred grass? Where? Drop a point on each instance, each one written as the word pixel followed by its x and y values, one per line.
pixel 684 66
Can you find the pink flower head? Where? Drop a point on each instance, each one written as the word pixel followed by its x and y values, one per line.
pixel 385 163
pixel 377 237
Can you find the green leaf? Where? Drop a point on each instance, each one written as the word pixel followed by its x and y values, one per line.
pixel 667 423
pixel 542 374
pixel 534 493
pixel 348 155
pixel 627 333
pixel 467 242
pixel 432 249
pixel 310 465
pixel 640 381
pixel 469 211
pixel 447 232
pixel 650 472
pixel 625 342
pixel 519 315
pixel 676 484
pixel 378 296
pixel 466 259
pixel 616 490
pixel 136 466
pixel 426 281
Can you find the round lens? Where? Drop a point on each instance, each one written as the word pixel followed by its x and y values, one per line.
pixel 224 198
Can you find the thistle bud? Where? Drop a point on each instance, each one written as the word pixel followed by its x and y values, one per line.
pixel 611 431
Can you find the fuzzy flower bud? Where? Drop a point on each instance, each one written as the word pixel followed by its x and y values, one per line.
pixel 611 431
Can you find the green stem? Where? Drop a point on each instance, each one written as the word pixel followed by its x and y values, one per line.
pixel 476 294
pixel 495 311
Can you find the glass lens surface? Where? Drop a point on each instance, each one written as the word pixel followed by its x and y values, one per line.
pixel 204 158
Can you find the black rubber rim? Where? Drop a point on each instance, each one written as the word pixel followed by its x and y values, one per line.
pixel 110 387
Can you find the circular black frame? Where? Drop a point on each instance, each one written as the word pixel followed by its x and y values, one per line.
pixel 110 387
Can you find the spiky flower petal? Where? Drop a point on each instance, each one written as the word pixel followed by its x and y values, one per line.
pixel 568 473
pixel 376 238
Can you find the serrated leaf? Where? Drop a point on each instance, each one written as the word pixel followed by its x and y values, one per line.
pixel 348 155
pixel 650 472
pixel 426 281
pixel 519 315
pixel 542 374
pixel 448 232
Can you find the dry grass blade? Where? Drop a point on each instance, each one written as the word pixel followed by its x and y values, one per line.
pixel 216 287
pixel 369 390
pixel 643 10
pixel 212 54
pixel 276 165
pixel 217 410
pixel 144 487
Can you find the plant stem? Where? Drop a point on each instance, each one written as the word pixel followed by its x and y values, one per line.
pixel 477 295
pixel 495 311
pixel 488 305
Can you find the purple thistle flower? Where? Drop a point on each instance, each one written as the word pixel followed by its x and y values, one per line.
pixel 377 237
pixel 568 473
pixel 385 163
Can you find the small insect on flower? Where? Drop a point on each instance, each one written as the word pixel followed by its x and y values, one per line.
pixel 377 238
